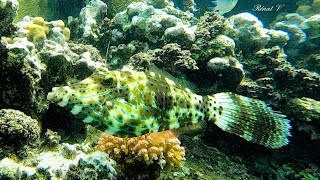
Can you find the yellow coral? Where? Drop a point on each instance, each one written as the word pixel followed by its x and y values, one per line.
pixel 38 29
pixel 38 20
pixel 148 148
pixel 66 33
pixel 36 32
pixel 58 23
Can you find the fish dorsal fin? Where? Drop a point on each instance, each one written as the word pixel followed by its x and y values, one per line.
pixel 183 82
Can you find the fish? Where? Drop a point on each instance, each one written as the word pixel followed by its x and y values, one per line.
pixel 223 6
pixel 133 103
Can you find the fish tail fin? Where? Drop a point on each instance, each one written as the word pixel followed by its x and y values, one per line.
pixel 250 119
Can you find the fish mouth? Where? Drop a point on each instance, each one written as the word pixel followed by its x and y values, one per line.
pixel 52 96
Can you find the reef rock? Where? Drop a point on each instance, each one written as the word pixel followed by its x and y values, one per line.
pixel 94 166
pixel 52 165
pixel 90 16
pixel 291 24
pixel 155 25
pixel 312 26
pixel 250 35
pixel 36 57
pixel 21 75
pixel 8 11
pixel 16 131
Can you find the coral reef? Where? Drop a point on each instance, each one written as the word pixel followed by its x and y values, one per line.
pixel 202 162
pixel 52 138
pixel 37 29
pixel 95 166
pixel 16 131
pixel 312 26
pixel 291 24
pixel 120 5
pixel 38 57
pixel 309 109
pixel 269 66
pixel 119 55
pixel 250 35
pixel 163 147
pixel 309 9
pixel 308 116
pixel 8 11
pixel 155 25
pixel 213 52
pixel 175 60
pixel 209 27
pixel 302 48
pixel 90 16
pixel 21 75
pixel 53 165
pixel 54 160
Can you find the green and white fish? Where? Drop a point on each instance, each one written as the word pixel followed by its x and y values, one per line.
pixel 131 103
pixel 223 6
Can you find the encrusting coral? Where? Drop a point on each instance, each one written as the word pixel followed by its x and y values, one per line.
pixel 160 146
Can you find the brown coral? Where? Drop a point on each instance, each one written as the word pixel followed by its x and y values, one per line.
pixel 160 146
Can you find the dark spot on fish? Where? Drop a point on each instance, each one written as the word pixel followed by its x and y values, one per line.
pixel 107 82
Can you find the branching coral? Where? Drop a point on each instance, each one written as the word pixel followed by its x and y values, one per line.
pixel 160 146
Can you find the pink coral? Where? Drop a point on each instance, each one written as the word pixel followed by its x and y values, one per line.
pixel 159 146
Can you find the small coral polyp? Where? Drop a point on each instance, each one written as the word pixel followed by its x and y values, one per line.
pixel 159 146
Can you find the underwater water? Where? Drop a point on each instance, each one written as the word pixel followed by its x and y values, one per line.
pixel 160 89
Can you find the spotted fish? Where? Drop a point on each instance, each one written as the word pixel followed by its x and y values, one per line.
pixel 223 6
pixel 130 103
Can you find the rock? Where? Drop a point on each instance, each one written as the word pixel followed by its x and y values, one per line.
pixel 250 35
pixel 8 11
pixel 16 131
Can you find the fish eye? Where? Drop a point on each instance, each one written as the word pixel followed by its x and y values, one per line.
pixel 107 81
